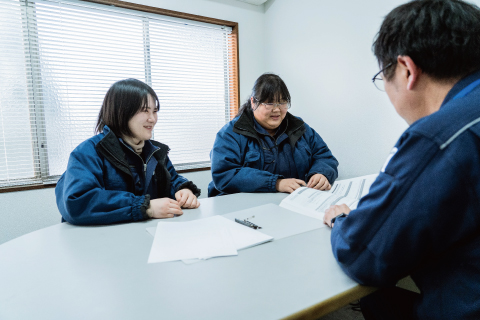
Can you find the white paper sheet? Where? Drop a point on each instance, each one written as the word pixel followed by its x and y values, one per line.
pixel 241 236
pixel 191 240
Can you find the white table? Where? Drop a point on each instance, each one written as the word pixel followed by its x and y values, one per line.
pixel 72 272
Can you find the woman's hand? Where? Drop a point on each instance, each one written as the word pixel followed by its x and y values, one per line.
pixel 334 211
pixel 163 208
pixel 186 199
pixel 319 181
pixel 289 185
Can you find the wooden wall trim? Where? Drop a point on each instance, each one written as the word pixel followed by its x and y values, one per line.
pixel 170 13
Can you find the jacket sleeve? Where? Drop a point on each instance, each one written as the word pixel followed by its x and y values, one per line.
pixel 323 161
pixel 178 182
pixel 231 171
pixel 82 198
pixel 406 218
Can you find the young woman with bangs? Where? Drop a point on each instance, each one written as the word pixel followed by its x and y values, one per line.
pixel 121 175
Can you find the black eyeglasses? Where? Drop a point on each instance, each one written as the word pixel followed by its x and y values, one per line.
pixel 380 84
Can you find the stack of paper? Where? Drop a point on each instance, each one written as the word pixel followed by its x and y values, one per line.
pixel 202 239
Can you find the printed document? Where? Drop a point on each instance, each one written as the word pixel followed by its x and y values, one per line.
pixel 313 203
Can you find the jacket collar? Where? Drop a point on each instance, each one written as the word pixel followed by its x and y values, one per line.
pixel 460 85
pixel 245 126
pixel 109 146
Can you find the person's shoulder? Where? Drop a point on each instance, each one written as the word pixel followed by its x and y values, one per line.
pixel 228 127
pixel 451 119
pixel 159 144
pixel 89 145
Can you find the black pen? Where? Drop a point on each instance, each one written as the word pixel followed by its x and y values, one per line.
pixel 248 224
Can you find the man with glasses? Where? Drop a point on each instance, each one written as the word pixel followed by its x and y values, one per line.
pixel 422 215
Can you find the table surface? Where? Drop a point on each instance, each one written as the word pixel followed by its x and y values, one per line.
pixel 101 272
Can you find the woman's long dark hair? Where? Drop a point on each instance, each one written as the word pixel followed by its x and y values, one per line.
pixel 122 101
pixel 268 88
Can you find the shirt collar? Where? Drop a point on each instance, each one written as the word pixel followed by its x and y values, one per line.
pixel 281 128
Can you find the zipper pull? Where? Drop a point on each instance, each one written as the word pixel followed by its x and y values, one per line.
pixel 145 167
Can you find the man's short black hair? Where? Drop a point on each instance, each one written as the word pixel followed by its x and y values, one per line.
pixel 442 37
pixel 123 100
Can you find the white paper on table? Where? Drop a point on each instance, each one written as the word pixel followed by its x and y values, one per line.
pixel 243 237
pixel 313 203
pixel 191 240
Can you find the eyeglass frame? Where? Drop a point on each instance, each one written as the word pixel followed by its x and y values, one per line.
pixel 274 105
pixel 376 75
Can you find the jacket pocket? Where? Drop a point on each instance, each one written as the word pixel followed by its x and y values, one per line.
pixel 115 182
pixel 251 159
pixel 269 156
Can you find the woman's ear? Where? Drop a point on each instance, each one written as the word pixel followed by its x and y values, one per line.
pixel 252 104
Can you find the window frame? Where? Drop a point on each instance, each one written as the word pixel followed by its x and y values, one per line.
pixel 39 151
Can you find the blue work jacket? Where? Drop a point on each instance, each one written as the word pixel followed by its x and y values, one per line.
pixel 238 159
pixel 422 214
pixel 99 187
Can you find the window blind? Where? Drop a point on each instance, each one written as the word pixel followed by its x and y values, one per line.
pixel 60 57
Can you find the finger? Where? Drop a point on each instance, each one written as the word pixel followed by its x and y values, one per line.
pixel 329 186
pixel 188 202
pixel 345 209
pixel 310 182
pixel 173 201
pixel 314 180
pixel 169 215
pixel 300 182
pixel 325 217
pixel 184 199
pixel 194 203
pixel 295 186
pixel 175 211
pixel 323 184
pixel 175 206
pixel 317 186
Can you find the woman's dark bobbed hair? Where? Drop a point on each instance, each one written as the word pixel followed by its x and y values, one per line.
pixel 122 101
pixel 268 88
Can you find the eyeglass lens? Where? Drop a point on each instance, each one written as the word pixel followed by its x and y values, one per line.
pixel 379 83
pixel 270 106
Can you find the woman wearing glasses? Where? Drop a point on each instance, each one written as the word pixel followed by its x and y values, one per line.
pixel 267 149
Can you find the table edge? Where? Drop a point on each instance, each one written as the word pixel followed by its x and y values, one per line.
pixel 331 304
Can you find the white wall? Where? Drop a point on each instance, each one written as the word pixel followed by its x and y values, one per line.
pixel 322 50
pixel 27 211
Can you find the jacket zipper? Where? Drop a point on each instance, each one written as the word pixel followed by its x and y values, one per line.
pixel 144 163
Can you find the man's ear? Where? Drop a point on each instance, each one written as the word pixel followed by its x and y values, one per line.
pixel 410 70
